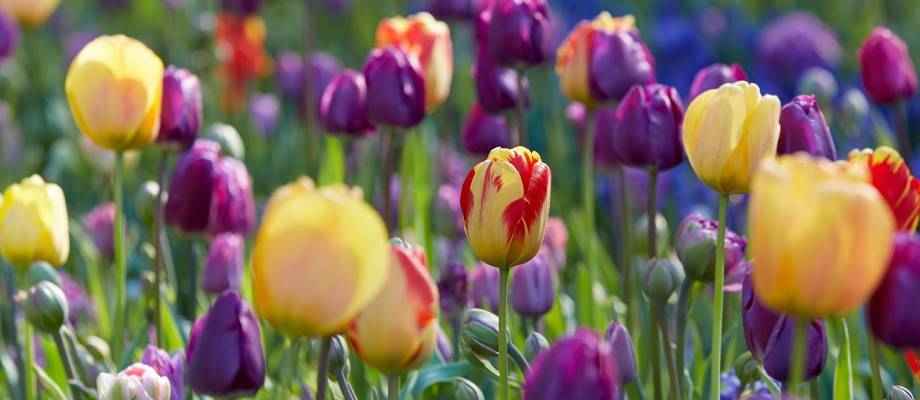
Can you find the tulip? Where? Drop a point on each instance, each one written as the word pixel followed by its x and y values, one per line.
pixel 770 336
pixel 533 287
pixel 803 128
pixel 34 223
pixel 580 366
pixel 483 132
pixel 224 350
pixel 849 235
pixel 453 288
pixel 228 139
pixel 714 76
pixel 891 312
pixel 624 356
pixel 138 381
pixel 727 133
pixel 661 277
pixel 241 7
pixel 264 112
pixel 321 69
pixel 518 31
pixel 98 224
pixel 498 88
pixel 116 73
pixel 892 178
pixel 9 36
pixel 505 202
pixel 898 392
pixel 171 367
pixel 696 248
pixel 397 330
pixel 46 307
pixel 480 332
pixel 343 108
pixel 180 118
pixel 31 13
pixel 885 66
pixel 601 59
pixel 793 43
pixel 484 287
pixel 454 9
pixel 534 345
pixel 427 40
pixel 644 131
pixel 312 274
pixel 223 268
pixel 395 88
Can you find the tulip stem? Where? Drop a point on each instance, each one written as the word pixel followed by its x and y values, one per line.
pixel 27 379
pixel 652 209
pixel 323 368
pixel 876 370
pixel 10 323
pixel 588 203
pixel 655 355
pixel 659 316
pixel 158 249
pixel 393 387
pixel 683 308
pixel 121 268
pixel 798 355
pixel 845 358
pixel 718 303
pixel 69 367
pixel 345 386
pixel 504 282
pixel 626 250
pixel 391 149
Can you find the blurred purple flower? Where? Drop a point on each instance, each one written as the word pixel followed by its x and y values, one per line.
pixel 9 36
pixel 453 288
pixel 75 42
pixel 483 132
pixel 223 268
pixel 484 281
pixel 264 112
pixel 292 77
pixel 579 366
pixel 181 114
pixel 793 43
pixel 555 240
pixel 533 287
pixel 80 306
pixel 98 224
pixel 714 76
pixel 170 367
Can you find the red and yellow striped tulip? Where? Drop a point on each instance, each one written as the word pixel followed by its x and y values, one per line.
pixel 33 223
pixel 505 202
pixel 891 176
pixel 831 257
pixel 428 40
pixel 397 331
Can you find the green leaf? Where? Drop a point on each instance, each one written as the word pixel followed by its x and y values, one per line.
pixel 172 339
pixel 333 168
pixel 843 374
pixel 54 364
pixel 438 374
pixel 53 389
pixel 95 282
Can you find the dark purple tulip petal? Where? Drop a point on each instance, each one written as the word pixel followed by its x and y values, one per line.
pixel 241 7
pixel 892 311
pixel 793 43
pixel 98 224
pixel 232 205
pixel 395 88
pixel 714 76
pixel 223 269
pixel 453 288
pixel 9 36
pixel 484 281
pixel 343 108
pixel 619 60
pixel 188 206
pixel 645 130
pixel 803 129
pixel 180 116
pixel 484 132
pixel 580 366
pixel 519 32
pixel 623 353
pixel 498 88
pixel 533 287
pixel 886 68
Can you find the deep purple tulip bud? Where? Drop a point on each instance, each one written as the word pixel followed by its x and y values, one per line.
pixel 223 268
pixel 454 9
pixel 9 36
pixel 645 129
pixel 224 350
pixel 98 224
pixel 171 367
pixel 241 7
pixel 233 208
pixel 624 355
pixel 580 366
pixel 395 88
pixel 887 71
pixel 343 108
pixel 533 287
pixel 793 43
pixel 291 74
pixel 619 61
pixel 892 311
pixel 453 288
pixel 484 281
pixel 770 337
pixel 714 76
pixel 803 128
pixel 483 132
pixel 696 248
pixel 498 88
pixel 180 116
pixel 264 112
pixel 519 32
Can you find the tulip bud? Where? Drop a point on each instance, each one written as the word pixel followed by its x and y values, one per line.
pixel 9 36
pixel 338 358
pixel 498 88
pixel 170 367
pixel 343 108
pixel 135 382
pixel 820 83
pixel 264 112
pixel 645 129
pixel 145 201
pixel 898 392
pixel 885 66
pixel 696 247
pixel 41 271
pixel 484 290
pixel 662 277
pixel 223 269
pixel 640 235
pixel 533 287
pixel 228 138
pixel 98 224
pixel 453 287
pixel 480 332
pixel 518 31
pixel 747 368
pixel 484 132
pixel 579 366
pixel 41 207
pixel 534 345
pixel 46 307
pixel 803 129
pixel 395 88
pixel 624 355
pixel 714 76
pixel 428 41
pixel 180 118
pixel 890 313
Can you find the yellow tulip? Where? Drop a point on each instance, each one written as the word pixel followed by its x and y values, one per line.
pixel 727 133
pixel 819 234
pixel 30 12
pixel 505 202
pixel 320 256
pixel 34 223
pixel 114 87
pixel 573 59
pixel 428 40
pixel 397 331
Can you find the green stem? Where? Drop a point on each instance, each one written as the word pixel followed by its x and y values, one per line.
pixel 391 149
pixel 322 380
pixel 588 203
pixel 158 249
pixel 652 210
pixel 28 377
pixel 798 355
pixel 121 267
pixel 69 365
pixel 876 369
pixel 683 309
pixel 659 317
pixel 504 275
pixel 845 358
pixel 655 357
pixel 393 387
pixel 345 386
pixel 626 251
pixel 718 303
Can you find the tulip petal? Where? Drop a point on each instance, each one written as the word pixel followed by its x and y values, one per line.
pixel 759 138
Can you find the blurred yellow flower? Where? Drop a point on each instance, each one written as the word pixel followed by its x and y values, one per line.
pixel 34 223
pixel 320 256
pixel 114 87
pixel 428 40
pixel 30 12
pixel 819 234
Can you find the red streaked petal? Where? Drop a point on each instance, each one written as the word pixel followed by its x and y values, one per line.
pixel 901 191
pixel 523 212
pixel 913 362
pixel 466 195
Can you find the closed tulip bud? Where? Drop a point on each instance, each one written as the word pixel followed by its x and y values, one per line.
pixel 453 288
pixel 265 112
pixel 885 66
pixel 41 271
pixel 395 88
pixel 180 117
pixel 229 139
pixel 480 332
pixel 727 133
pixel 518 31
pixel 891 313
pixel 311 273
pixel 898 392
pixel 145 201
pixel 819 82
pixel 714 76
pixel 428 41
pixel 505 202
pixel 697 239
pixel 770 336
pixel 397 331
pixel 9 36
pixel 484 132
pixel 223 268
pixel 224 350
pixel 34 223
pixel 498 88
pixel 601 59
pixel 343 108
pixel 892 178
pixel 534 345
pixel 46 307
pixel 803 129
pixel 338 358
pixel 116 73
pixel 624 355
pixel 533 287
pixel 171 367
pixel 138 381
pixel 645 129
pixel 853 229
pixel 640 234
pixel 98 224
pixel 661 278
pixel 31 13
pixel 484 281
pixel 579 366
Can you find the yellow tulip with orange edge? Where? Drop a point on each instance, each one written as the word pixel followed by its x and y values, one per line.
pixel 892 178
pixel 573 59
pixel 33 223
pixel 427 40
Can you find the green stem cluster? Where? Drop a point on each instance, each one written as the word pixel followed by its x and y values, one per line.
pixel 718 303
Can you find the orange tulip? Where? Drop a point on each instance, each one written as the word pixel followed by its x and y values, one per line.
pixel 428 40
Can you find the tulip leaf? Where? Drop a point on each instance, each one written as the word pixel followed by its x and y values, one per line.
pixel 54 364
pixel 172 339
pixel 53 389
pixel 333 168
pixel 437 374
pixel 843 373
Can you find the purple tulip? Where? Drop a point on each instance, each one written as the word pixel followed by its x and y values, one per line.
pixel 624 356
pixel 292 77
pixel 395 88
pixel 714 76
pixel 579 366
pixel 696 249
pixel 449 206
pixel 171 367
pixel 264 111
pixel 453 288
pixel 645 130
pixel 498 88
pixel 180 117
pixel 484 281
pixel 769 337
pixel 886 69
pixel 9 36
pixel 80 306
pixel 343 108
pixel 803 129
pixel 241 7
pixel 223 268
pixel 224 350
pixel 483 132
pixel 518 31
pixel 892 312
pixel 454 9
pixel 533 287
pixel 232 205
pixel 619 60
pixel 98 224
pixel 793 43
